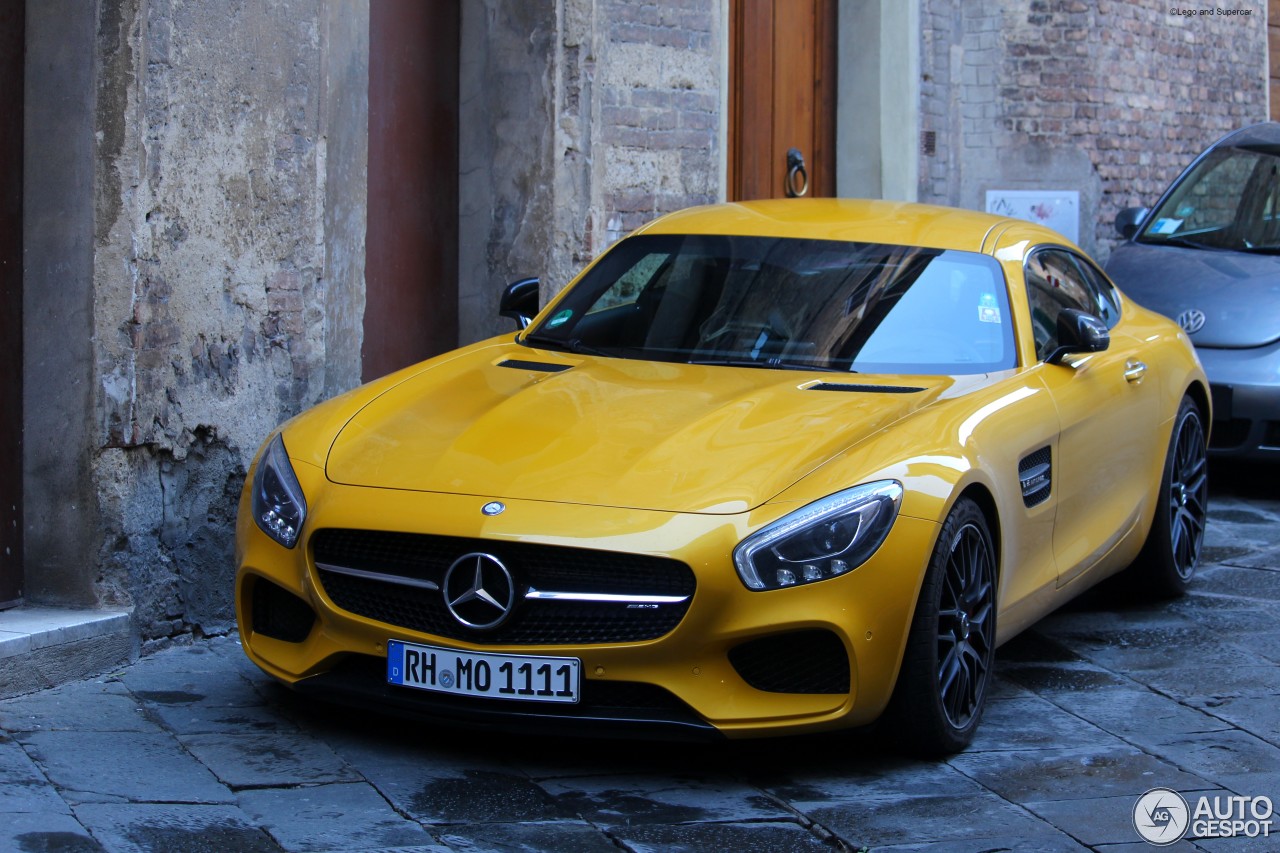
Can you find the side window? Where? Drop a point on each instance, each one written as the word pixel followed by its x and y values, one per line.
pixel 1106 302
pixel 626 290
pixel 1059 279
pixel 1053 284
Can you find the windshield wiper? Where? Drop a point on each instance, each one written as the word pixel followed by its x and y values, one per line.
pixel 1178 241
pixel 573 345
pixel 776 364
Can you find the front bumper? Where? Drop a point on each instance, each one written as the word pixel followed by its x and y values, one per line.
pixel 1246 400
pixel 696 679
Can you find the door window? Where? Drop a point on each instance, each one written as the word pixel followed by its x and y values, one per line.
pixel 1058 279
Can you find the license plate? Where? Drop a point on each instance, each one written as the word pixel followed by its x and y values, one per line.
pixel 527 678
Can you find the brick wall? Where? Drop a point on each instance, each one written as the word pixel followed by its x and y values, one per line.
pixel 660 110
pixel 1133 88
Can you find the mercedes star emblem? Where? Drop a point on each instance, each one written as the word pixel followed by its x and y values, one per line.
pixel 1191 320
pixel 493 508
pixel 479 591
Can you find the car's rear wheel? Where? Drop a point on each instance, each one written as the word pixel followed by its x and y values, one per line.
pixel 1168 559
pixel 947 665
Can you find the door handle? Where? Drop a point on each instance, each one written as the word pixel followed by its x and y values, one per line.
pixel 797 183
pixel 1134 370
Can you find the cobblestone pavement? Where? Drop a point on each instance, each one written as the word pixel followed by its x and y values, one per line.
pixel 193 749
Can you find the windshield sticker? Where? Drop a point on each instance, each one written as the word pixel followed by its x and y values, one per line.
pixel 988 311
pixel 560 318
pixel 1166 226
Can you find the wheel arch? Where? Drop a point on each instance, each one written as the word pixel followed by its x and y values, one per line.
pixel 1199 395
pixel 982 496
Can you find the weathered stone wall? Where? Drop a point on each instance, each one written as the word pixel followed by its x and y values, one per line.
pixel 580 121
pixel 212 299
pixel 660 115
pixel 1106 97
pixel 506 168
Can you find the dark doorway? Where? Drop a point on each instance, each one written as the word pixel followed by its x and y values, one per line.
pixel 782 61
pixel 12 56
pixel 411 245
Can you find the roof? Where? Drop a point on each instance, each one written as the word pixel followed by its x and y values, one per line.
pixel 1265 134
pixel 869 221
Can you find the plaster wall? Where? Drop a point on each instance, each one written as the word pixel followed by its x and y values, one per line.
pixel 195 277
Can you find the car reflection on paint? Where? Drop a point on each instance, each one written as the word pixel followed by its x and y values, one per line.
pixel 762 468
pixel 1208 255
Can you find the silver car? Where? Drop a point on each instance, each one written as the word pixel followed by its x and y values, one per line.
pixel 1208 255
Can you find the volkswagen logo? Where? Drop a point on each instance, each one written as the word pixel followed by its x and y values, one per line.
pixel 479 591
pixel 1191 320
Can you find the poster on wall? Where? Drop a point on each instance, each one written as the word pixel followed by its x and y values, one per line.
pixel 1056 209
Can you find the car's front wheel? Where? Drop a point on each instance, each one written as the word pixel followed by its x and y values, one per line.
pixel 1172 550
pixel 947 665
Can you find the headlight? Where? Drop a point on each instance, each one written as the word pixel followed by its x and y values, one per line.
pixel 278 505
pixel 823 540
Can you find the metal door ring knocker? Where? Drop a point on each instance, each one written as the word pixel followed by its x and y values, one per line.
pixel 795 166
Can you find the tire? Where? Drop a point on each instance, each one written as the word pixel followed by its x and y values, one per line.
pixel 1168 559
pixel 950 653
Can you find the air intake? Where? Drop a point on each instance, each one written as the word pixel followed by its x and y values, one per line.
pixel 539 366
pixel 1036 475
pixel 864 388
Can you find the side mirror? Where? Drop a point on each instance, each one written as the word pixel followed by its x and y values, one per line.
pixel 1078 332
pixel 520 302
pixel 1129 220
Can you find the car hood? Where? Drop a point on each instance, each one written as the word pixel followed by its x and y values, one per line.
pixel 1238 292
pixel 610 432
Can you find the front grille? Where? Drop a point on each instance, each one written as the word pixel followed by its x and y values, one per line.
pixel 1271 434
pixel 424 557
pixel 800 662
pixel 1229 434
pixel 279 614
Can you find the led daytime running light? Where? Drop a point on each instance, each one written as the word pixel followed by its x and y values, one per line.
pixel 843 531
pixel 279 507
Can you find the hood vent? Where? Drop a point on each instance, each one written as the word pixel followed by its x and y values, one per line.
pixel 865 389
pixel 539 366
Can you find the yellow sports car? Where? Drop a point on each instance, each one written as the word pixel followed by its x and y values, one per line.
pixel 761 468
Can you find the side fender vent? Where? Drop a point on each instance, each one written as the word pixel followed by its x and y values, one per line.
pixel 866 389
pixel 1035 471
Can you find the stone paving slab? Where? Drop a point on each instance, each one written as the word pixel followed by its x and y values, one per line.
pixel 89 766
pixel 266 760
pixel 42 831
pixel 343 817
pixel 24 789
pixel 148 828
pixel 79 706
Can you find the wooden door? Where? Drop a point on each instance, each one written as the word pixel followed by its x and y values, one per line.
pixel 782 61
pixel 411 242
pixel 12 56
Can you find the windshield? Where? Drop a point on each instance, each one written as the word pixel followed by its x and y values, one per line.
pixel 1228 201
pixel 788 303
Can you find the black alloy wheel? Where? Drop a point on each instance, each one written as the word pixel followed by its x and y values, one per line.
pixel 947 666
pixel 1172 550
pixel 966 624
